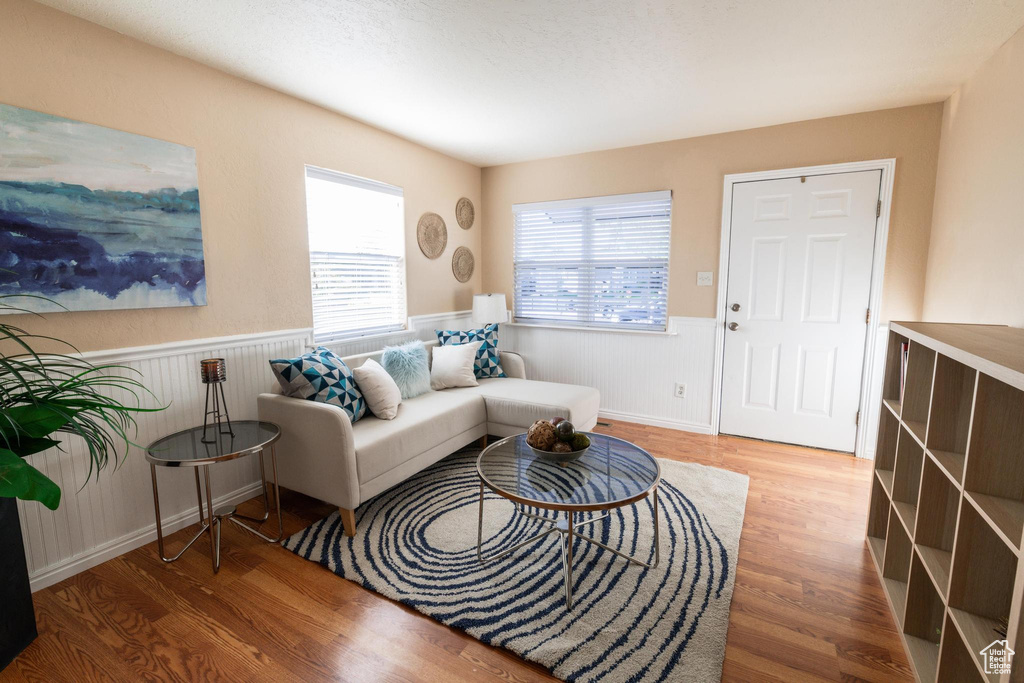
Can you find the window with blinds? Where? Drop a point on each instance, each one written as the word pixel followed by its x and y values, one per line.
pixel 356 255
pixel 595 262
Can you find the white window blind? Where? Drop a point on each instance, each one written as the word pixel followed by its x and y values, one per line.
pixel 596 262
pixel 356 255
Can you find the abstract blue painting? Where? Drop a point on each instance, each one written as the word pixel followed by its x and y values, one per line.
pixel 95 218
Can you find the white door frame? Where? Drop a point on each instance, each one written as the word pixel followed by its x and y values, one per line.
pixel 888 169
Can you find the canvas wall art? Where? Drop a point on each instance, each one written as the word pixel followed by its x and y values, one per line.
pixel 95 218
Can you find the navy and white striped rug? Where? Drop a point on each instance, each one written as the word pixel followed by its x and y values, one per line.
pixel 416 543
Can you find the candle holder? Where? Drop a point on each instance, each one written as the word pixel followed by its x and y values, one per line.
pixel 214 374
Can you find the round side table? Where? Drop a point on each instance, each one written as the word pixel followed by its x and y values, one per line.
pixel 186 449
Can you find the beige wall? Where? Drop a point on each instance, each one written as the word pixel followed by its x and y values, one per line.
pixel 693 169
pixel 976 259
pixel 251 144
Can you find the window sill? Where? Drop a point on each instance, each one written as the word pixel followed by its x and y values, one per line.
pixel 366 337
pixel 599 330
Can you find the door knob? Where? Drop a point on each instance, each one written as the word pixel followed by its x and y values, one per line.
pixel 733 326
pixel 735 307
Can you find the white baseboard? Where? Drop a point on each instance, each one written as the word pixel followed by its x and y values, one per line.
pixel 656 422
pixel 58 572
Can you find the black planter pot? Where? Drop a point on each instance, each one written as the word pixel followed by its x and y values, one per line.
pixel 18 625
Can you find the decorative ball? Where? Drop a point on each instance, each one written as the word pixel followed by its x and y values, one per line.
pixel 556 420
pixel 541 435
pixel 561 447
pixel 580 441
pixel 565 430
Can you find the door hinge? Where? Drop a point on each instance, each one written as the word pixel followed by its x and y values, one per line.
pixel 856 420
pixel 867 317
pixel 878 209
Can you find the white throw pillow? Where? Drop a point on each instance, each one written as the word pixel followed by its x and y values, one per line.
pixel 380 391
pixel 452 366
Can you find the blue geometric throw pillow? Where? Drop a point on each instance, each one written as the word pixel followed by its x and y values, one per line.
pixel 320 376
pixel 488 358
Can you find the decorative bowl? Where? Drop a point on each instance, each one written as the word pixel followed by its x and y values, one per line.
pixel 551 456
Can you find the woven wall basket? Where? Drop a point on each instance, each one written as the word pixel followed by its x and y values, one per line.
pixel 431 235
pixel 465 213
pixel 462 264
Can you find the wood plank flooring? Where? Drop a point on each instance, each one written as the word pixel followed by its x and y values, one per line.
pixel 807 604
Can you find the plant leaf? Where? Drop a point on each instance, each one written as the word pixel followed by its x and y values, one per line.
pixel 38 420
pixel 18 479
pixel 28 446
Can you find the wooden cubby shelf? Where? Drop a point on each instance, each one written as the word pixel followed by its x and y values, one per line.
pixel 994 473
pixel 907 479
pixel 922 625
pixel 936 524
pixel 950 416
pixel 896 565
pixel 885 450
pixel 917 390
pixel 878 521
pixel 946 517
pixel 891 390
pixel 956 662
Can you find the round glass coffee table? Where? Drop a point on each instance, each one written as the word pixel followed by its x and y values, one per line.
pixel 613 473
pixel 187 449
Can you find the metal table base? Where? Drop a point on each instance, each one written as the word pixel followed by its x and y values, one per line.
pixel 566 529
pixel 212 519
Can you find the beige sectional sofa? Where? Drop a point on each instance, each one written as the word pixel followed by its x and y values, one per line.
pixel 323 454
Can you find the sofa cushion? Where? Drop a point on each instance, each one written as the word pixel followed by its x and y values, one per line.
pixel 320 376
pixel 488 358
pixel 421 424
pixel 521 402
pixel 409 366
pixel 379 389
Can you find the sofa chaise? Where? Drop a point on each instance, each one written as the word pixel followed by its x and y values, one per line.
pixel 324 455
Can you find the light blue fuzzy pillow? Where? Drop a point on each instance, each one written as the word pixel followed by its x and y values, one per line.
pixel 407 365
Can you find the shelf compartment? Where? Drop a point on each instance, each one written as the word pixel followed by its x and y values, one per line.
pixel 891 384
pixel 878 522
pixel 956 662
pixel 977 632
pixel 888 435
pixel 950 461
pixel 893 405
pixel 922 625
pixel 949 421
pixel 995 461
pixel 878 513
pixel 936 523
pixel 885 478
pixel 907 479
pixel 917 393
pixel 896 566
pixel 981 584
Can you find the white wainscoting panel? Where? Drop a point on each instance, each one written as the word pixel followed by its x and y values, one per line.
pixel 420 327
pixel 635 372
pixel 113 513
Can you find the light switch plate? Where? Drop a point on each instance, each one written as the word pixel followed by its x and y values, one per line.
pixel 705 278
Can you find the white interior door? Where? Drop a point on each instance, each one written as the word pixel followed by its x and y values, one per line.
pixel 799 283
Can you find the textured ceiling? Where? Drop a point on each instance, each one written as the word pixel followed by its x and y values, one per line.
pixel 494 81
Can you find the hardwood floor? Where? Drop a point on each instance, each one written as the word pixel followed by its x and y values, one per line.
pixel 807 604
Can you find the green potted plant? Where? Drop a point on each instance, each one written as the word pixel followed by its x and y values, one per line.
pixel 43 395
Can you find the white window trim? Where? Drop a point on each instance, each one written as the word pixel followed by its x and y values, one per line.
pixel 581 202
pixel 320 173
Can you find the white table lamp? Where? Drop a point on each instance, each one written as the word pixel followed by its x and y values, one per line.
pixel 489 308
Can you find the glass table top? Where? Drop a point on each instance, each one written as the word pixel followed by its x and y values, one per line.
pixel 612 472
pixel 186 447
